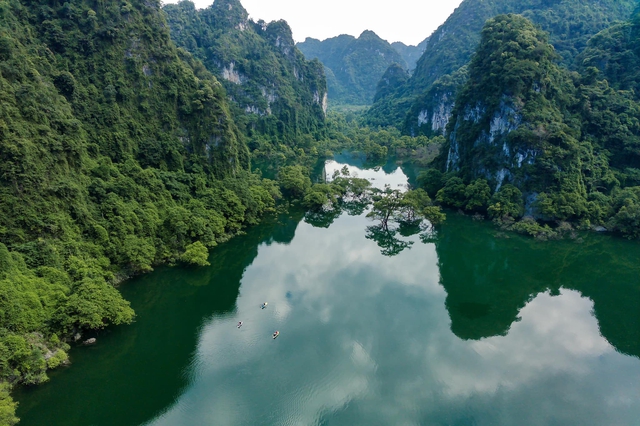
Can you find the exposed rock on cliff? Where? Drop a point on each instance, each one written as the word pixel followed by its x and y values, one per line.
pixel 264 74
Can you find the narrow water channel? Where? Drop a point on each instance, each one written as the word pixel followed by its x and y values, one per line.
pixel 465 327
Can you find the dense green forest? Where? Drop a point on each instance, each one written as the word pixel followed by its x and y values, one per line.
pixel 530 138
pixel 275 93
pixel 128 131
pixel 119 152
pixel 419 107
pixel 353 65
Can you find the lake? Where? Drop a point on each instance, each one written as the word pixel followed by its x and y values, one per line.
pixel 464 326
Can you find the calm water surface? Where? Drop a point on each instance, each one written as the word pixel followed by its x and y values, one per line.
pixel 463 327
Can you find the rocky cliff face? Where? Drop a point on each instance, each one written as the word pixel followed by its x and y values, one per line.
pixel 507 158
pixel 508 120
pixel 265 75
pixel 431 112
pixel 569 141
pixel 570 24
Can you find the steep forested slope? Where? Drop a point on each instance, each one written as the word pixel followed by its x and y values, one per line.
pixel 276 91
pixel 615 52
pixel 509 116
pixel 528 136
pixel 570 24
pixel 410 54
pixel 353 65
pixel 118 152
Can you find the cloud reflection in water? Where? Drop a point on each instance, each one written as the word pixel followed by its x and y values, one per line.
pixel 365 339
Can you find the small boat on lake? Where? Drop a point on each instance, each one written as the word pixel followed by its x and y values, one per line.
pixel 264 305
pixel 276 334
pixel 240 324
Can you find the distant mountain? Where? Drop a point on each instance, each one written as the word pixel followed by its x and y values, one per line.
pixel 570 24
pixel 353 65
pixel 276 91
pixel 410 54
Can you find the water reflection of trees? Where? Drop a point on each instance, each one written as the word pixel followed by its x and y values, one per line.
pixel 322 218
pixel 398 213
pixel 489 279
pixel 392 238
pixel 152 355
pixel 387 240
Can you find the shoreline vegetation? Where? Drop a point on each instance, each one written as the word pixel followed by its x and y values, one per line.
pixel 121 151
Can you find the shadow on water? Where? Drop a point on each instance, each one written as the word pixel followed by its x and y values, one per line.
pixel 136 371
pixel 386 238
pixel 488 280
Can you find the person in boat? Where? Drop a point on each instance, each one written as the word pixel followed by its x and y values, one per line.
pixel 276 334
pixel 239 324
pixel 264 305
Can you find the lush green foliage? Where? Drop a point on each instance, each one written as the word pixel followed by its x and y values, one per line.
pixel 378 144
pixel 570 24
pixel 119 152
pixel 404 213
pixel 277 94
pixel 294 181
pixel 615 52
pixel 353 65
pixel 558 145
pixel 393 78
pixel 196 254
pixel 507 202
pixel 407 211
pixel 345 133
pixel 385 206
pixel 7 407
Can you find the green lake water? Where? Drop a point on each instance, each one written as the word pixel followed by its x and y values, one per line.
pixel 463 327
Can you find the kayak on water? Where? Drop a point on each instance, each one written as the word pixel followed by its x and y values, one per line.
pixel 264 305
pixel 239 324
pixel 276 334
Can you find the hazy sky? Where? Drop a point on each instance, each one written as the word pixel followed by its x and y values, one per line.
pixel 409 21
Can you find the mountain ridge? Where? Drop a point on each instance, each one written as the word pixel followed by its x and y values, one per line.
pixel 277 93
pixel 353 65
pixel 450 47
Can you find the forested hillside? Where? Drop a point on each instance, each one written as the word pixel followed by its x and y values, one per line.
pixel 275 92
pixel 418 106
pixel 119 152
pixel 529 137
pixel 353 65
pixel 410 54
pixel 615 52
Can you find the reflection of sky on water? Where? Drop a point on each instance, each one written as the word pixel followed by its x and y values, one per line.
pixel 366 340
pixel 378 179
